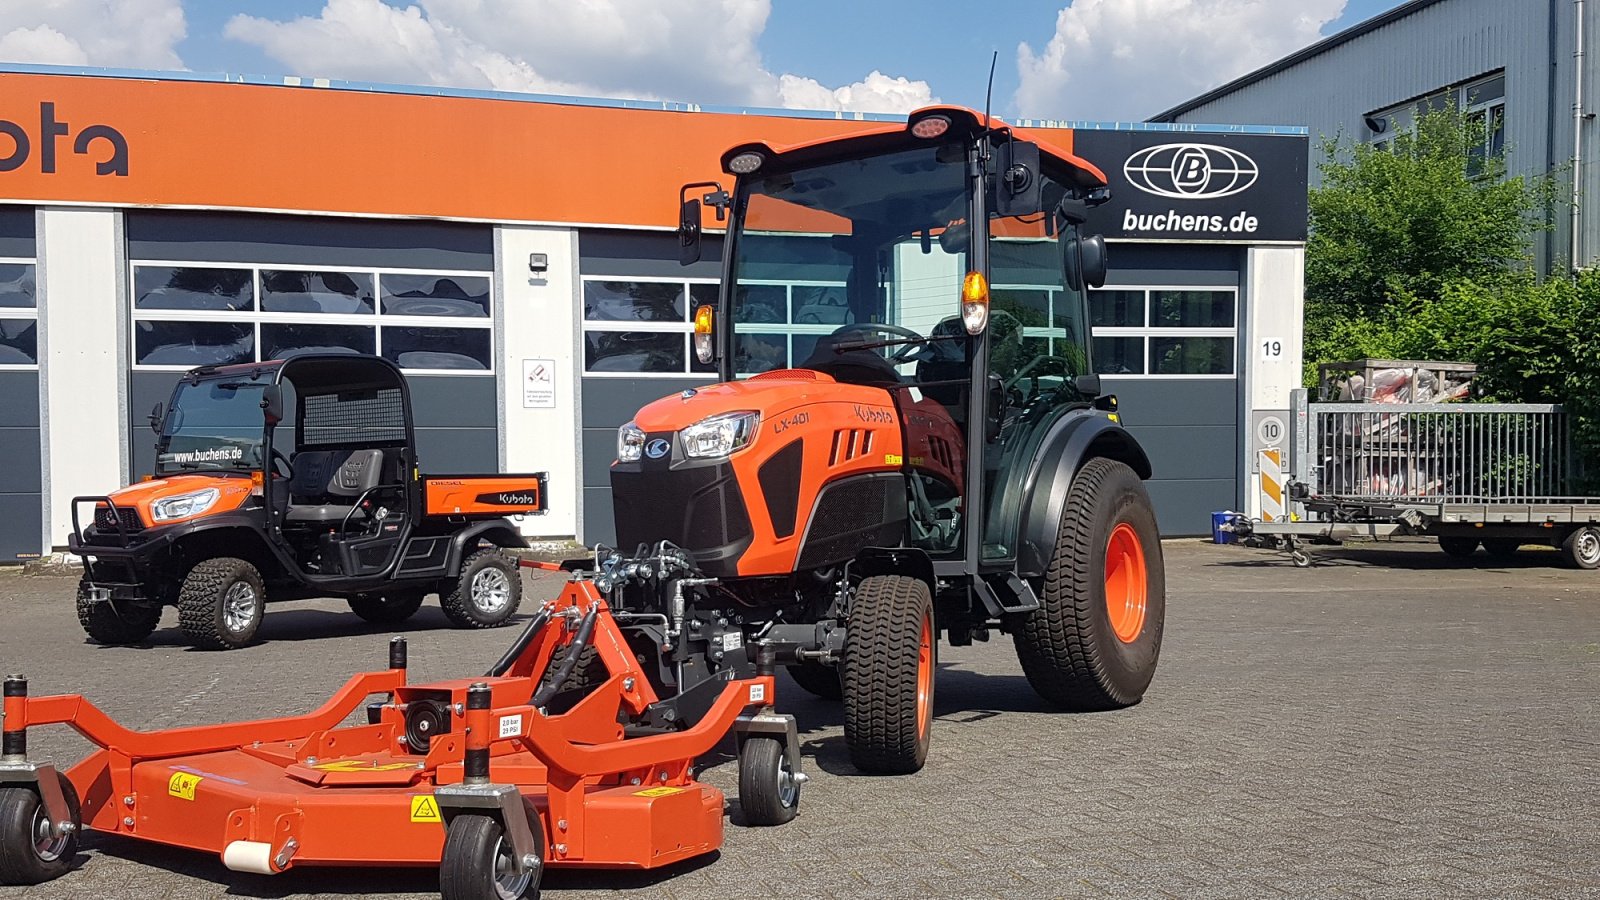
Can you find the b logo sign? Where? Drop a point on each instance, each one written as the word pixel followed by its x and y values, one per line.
pixel 1191 171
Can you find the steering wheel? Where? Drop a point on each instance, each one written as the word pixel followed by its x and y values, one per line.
pixel 278 457
pixel 902 353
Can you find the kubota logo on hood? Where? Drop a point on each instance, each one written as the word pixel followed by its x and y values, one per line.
pixel 1191 171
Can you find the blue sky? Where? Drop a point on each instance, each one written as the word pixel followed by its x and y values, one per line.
pixel 1104 59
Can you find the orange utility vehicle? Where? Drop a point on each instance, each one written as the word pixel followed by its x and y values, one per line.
pixel 490 779
pixel 247 505
pixel 908 439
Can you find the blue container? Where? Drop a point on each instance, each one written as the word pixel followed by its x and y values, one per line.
pixel 1219 519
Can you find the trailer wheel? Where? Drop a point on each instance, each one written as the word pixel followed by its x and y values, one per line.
pixel 115 623
pixel 477 862
pixel 1581 549
pixel 1458 547
pixel 1502 548
pixel 1094 640
pixel 888 675
pixel 818 679
pixel 221 603
pixel 487 593
pixel 387 609
pixel 31 852
pixel 769 787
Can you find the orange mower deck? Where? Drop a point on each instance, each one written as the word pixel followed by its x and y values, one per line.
pixel 565 789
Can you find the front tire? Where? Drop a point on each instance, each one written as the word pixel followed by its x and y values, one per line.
pixel 888 675
pixel 221 604
pixel 30 852
pixel 488 592
pixel 1094 640
pixel 388 609
pixel 769 787
pixel 111 623
pixel 477 862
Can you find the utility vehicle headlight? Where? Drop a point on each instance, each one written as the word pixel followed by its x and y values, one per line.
pixel 719 435
pixel 630 443
pixel 184 506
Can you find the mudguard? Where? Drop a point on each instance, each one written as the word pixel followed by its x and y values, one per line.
pixel 499 532
pixel 1072 441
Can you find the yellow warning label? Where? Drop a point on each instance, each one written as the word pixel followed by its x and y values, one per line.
pixel 361 765
pixel 425 809
pixel 659 792
pixel 892 459
pixel 182 785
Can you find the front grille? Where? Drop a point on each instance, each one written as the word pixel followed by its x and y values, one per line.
pixel 104 522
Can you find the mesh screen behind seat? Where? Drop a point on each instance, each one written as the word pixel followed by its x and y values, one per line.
pixel 359 417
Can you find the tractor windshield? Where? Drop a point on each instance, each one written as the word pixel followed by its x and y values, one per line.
pixel 861 251
pixel 213 424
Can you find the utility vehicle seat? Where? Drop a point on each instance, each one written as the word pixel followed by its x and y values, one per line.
pixel 327 483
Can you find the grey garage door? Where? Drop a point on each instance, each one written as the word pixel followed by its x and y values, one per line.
pixel 21 478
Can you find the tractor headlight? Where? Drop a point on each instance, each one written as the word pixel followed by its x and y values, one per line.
pixel 184 506
pixel 719 435
pixel 630 443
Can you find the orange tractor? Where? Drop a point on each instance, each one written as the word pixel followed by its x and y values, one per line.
pixel 908 440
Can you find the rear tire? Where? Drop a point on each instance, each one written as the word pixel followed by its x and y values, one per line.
pixel 488 592
pixel 474 865
pixel 388 609
pixel 221 603
pixel 29 853
pixel 888 675
pixel 115 623
pixel 769 792
pixel 818 679
pixel 1581 549
pixel 1079 651
pixel 1458 547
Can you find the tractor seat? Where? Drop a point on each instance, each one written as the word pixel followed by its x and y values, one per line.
pixel 327 483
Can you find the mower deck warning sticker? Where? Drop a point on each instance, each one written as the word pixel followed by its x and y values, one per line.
pixel 182 785
pixel 425 809
pixel 361 765
pixel 658 792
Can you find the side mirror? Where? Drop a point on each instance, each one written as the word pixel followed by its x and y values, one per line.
pixel 157 413
pixel 272 404
pixel 1018 189
pixel 1087 385
pixel 1083 261
pixel 689 232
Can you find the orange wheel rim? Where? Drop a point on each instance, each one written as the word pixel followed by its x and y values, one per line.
pixel 1127 583
pixel 925 678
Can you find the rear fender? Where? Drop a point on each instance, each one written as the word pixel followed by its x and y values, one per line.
pixel 1075 441
pixel 498 532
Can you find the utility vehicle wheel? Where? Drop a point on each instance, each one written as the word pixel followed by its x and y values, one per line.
pixel 123 622
pixel 31 851
pixel 887 679
pixel 221 603
pixel 769 787
pixel 1502 548
pixel 477 862
pixel 1093 642
pixel 387 609
pixel 818 679
pixel 1459 547
pixel 488 592
pixel 1581 549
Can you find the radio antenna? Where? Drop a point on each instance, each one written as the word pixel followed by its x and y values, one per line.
pixel 988 98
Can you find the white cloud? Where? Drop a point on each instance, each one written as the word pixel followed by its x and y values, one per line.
pixel 1129 59
pixel 702 51
pixel 140 34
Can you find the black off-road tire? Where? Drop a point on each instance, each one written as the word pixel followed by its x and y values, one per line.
pixel 467 869
pixel 116 623
pixel 588 674
pixel 465 612
pixel 1458 547
pixel 888 694
pixel 22 861
pixel 1581 548
pixel 387 609
pixel 205 598
pixel 1068 647
pixel 818 679
pixel 1502 548
pixel 769 792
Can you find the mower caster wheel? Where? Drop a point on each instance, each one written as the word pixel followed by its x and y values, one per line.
pixel 31 852
pixel 1300 558
pixel 477 863
pixel 488 592
pixel 389 609
pixel 221 603
pixel 769 787
pixel 108 622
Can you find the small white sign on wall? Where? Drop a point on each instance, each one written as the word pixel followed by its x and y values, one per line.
pixel 538 384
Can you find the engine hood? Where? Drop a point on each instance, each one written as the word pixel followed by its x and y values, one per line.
pixel 234 491
pixel 771 394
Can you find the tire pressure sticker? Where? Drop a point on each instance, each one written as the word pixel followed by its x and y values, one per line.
pixel 425 809
pixel 510 726
pixel 659 792
pixel 182 785
pixel 758 693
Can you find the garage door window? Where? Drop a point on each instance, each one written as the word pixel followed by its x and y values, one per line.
pixel 1165 331
pixel 19 326
pixel 192 314
pixel 641 326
